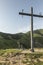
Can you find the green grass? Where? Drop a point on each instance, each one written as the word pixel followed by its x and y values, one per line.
pixel 7 51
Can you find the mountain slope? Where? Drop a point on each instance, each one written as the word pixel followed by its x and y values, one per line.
pixel 21 40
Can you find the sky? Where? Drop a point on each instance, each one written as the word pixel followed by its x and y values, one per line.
pixel 12 22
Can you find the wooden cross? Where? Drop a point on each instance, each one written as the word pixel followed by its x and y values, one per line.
pixel 32 15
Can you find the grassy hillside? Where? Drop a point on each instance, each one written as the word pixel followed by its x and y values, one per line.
pixel 21 40
pixel 38 38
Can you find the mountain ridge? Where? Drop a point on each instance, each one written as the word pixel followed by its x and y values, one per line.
pixel 17 40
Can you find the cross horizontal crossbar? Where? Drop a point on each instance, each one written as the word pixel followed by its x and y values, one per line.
pixel 27 14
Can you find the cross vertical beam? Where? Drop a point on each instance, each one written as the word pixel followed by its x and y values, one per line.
pixel 32 48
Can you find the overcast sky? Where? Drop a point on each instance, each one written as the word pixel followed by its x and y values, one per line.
pixel 12 22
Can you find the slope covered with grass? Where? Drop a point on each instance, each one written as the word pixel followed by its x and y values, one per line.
pixel 21 39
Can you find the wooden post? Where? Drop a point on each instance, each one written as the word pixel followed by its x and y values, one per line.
pixel 32 30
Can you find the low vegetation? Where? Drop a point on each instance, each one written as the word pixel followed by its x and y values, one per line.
pixel 9 41
pixel 16 57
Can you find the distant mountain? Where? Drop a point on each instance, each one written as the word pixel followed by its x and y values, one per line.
pixel 38 38
pixel 21 40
